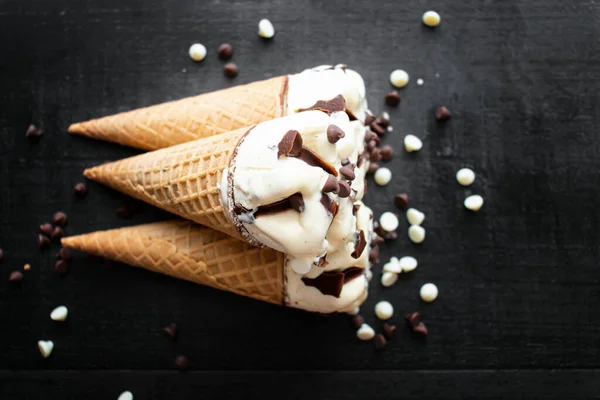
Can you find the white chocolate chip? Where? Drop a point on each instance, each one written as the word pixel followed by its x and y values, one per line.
pixel 354 311
pixel 197 52
pixel 414 216
pixel 465 176
pixel 399 78
pixel 388 221
pixel 388 279
pixel 383 176
pixel 416 234
pixel 392 266
pixel 384 310
pixel 59 313
pixel 266 29
pixel 365 332
pixel 420 82
pixel 428 292
pixel 408 264
pixel 412 143
pixel 46 347
pixel 474 202
pixel 126 396
pixel 431 19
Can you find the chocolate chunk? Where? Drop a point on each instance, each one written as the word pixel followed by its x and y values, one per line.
pixel 377 240
pixel 401 201
pixel 361 243
pixel 369 119
pixel 170 331
pixel 63 254
pixel 413 318
pixel 61 267
pixel 230 70
pixel 380 341
pixel 16 277
pixel 357 321
pixel 313 159
pixel 331 185
pixel 348 172
pixel 33 132
pixel 43 241
pixel 334 133
pixel 372 168
pixel 336 104
pixel 225 51
pixel 296 202
pixel 442 113
pixel 331 282
pixel 421 329
pixel 389 330
pixel 1 255
pixel 290 145
pixel 59 218
pixel 344 189
pixel 46 229
pixel 57 233
pixel 392 99
pixel 377 128
pixel 80 190
pixel 329 204
pixel 181 362
pixel 355 208
pixel 124 212
pixel 386 152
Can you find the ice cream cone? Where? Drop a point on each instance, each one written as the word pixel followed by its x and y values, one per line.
pixel 181 121
pixel 184 250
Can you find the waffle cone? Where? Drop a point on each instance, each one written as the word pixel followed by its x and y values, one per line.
pixel 184 250
pixel 184 120
pixel 182 179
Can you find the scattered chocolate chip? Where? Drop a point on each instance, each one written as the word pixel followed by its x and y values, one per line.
pixel 385 234
pixel 383 120
pixel 369 119
pixel 401 201
pixel 43 241
pixel 442 113
pixel 386 152
pixel 33 132
pixel 357 321
pixel 16 277
pixel 290 145
pixel 181 362
pixel 361 243
pixel 230 70
pixel 59 218
pixel 377 240
pixel 344 189
pixel 63 254
pixel 374 255
pixel 80 190
pixel 170 331
pixel 61 267
pixel 420 328
pixel 334 133
pixel 225 51
pixel 1 255
pixel 124 212
pixel 331 185
pixel 392 99
pixel 377 128
pixel 372 168
pixel 338 103
pixel 380 341
pixel 348 172
pixel 57 233
pixel 296 202
pixel 46 229
pixel 389 330
pixel 413 318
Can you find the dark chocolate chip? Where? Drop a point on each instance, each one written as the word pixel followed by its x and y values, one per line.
pixel 369 119
pixel 385 234
pixel 338 103
pixel 170 331
pixel 61 267
pixel 380 341
pixel 57 233
pixel 64 254
pixel 386 152
pixel 80 190
pixel 59 218
pixel 296 202
pixel 370 135
pixel 377 128
pixel 442 113
pixel 46 229
pixel 374 255
pixel 348 172
pixel 389 330
pixel 421 329
pixel 331 185
pixel 371 145
pixel 392 99
pixel 344 189
pixel 230 70
pixel 124 212
pixel 43 241
pixel 357 321
pixel 383 120
pixel 375 155
pixel 413 318
pixel 181 362
pixel 334 133
pixel 361 243
pixel 372 168
pixel 401 201
pixel 33 132
pixel 290 145
pixel 16 277
pixel 225 51
pixel 377 240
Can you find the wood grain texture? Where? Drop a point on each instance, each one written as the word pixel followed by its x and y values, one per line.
pixel 519 281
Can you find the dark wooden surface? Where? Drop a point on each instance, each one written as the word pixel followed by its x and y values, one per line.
pixel 518 314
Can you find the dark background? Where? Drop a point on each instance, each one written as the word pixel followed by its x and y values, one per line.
pixel 518 313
